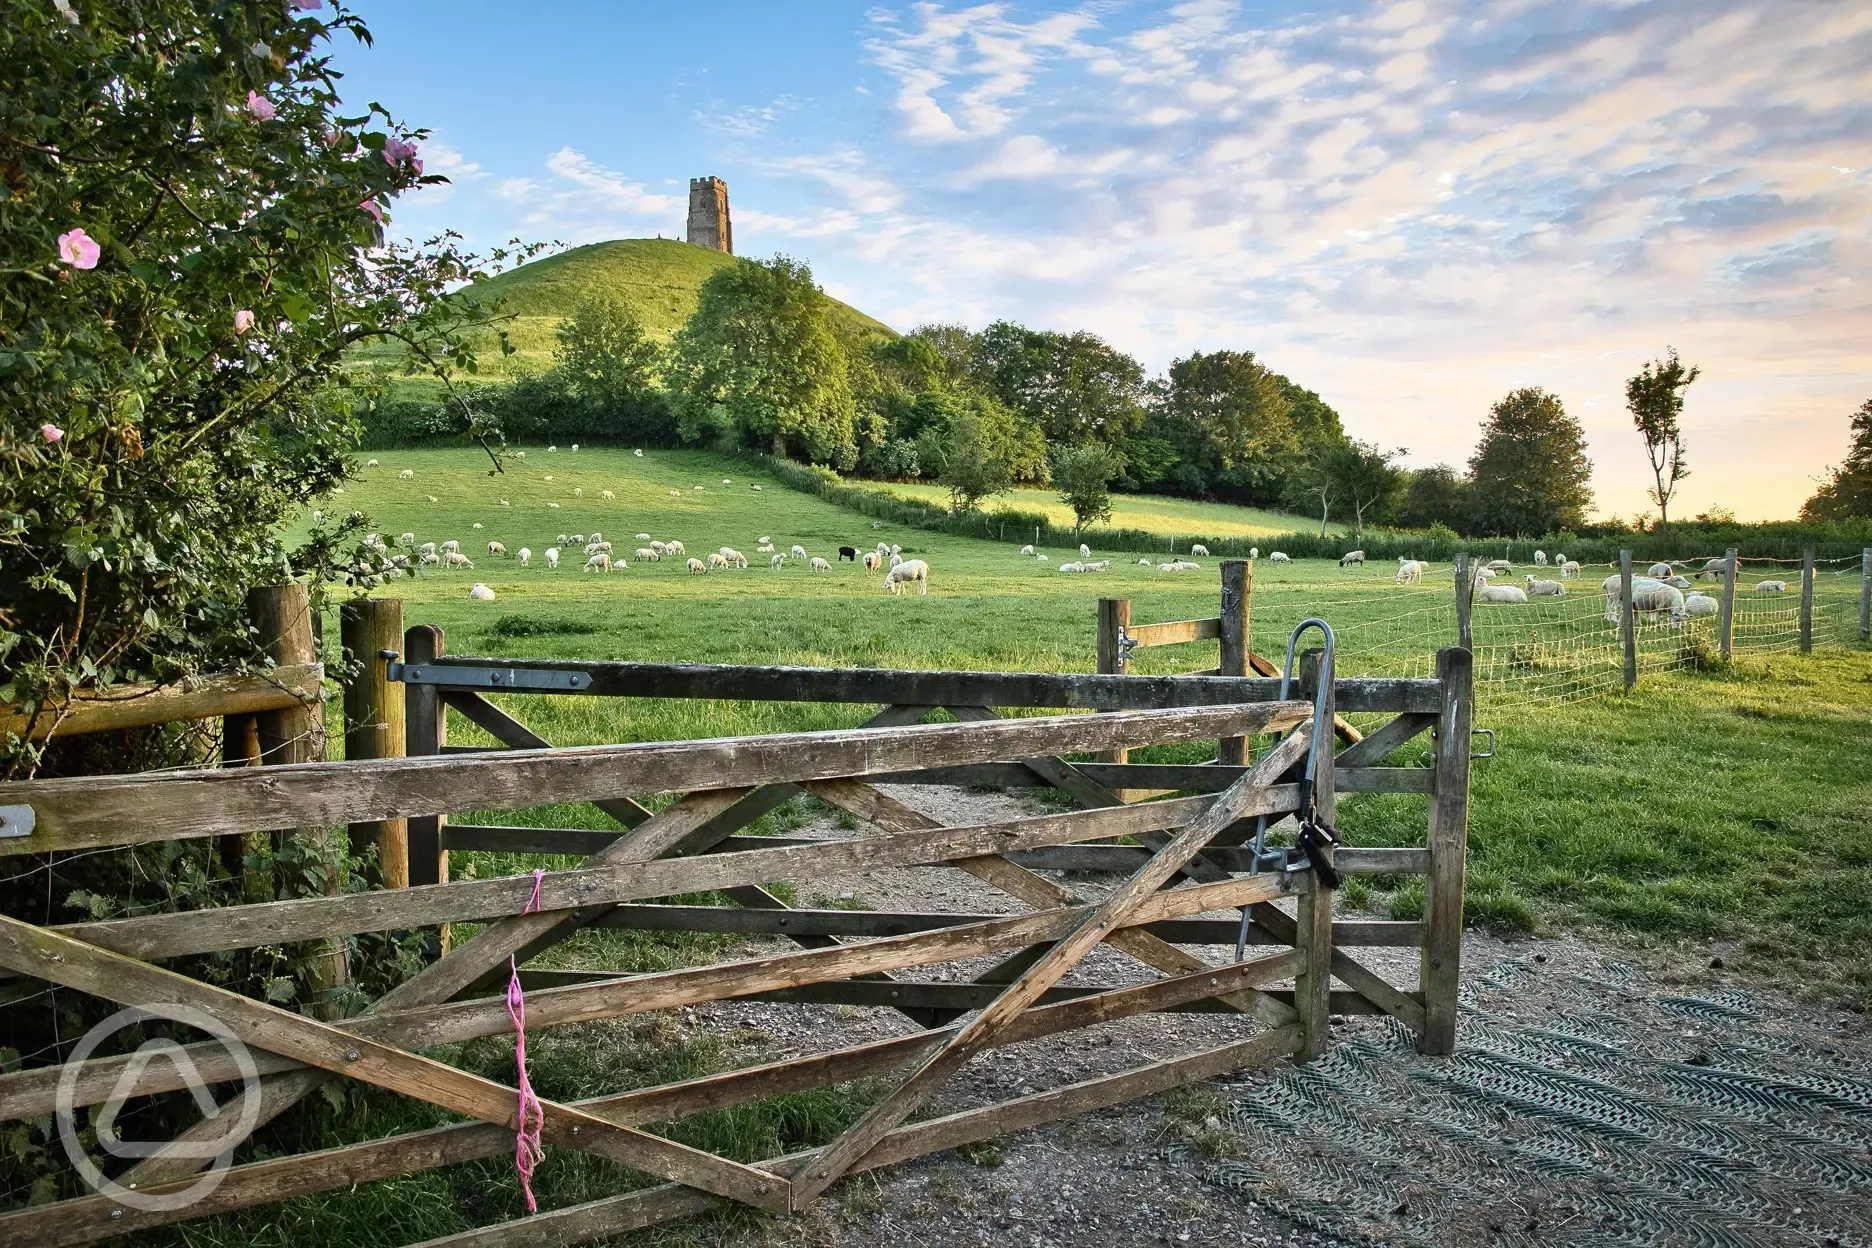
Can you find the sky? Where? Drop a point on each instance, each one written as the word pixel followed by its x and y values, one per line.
pixel 1409 206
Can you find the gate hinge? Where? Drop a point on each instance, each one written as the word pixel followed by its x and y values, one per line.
pixel 449 676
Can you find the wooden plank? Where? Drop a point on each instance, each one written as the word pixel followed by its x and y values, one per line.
pixel 1440 972
pixel 1086 690
pixel 1121 905
pixel 1380 744
pixel 1161 777
pixel 499 838
pixel 108 810
pixel 139 706
pixel 515 735
pixel 1176 632
pixel 74 964
pixel 1123 859
pixel 1232 628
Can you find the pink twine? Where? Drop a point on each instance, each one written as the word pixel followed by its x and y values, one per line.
pixel 528 1149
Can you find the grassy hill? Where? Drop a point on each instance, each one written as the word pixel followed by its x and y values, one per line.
pixel 661 278
pixel 1154 513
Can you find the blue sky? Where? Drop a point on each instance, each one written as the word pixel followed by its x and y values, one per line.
pixel 1408 206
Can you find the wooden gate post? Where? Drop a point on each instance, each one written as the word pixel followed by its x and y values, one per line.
pixel 1727 626
pixel 373 717
pixel 1440 972
pixel 425 732
pixel 1237 585
pixel 282 616
pixel 1465 602
pixel 1865 594
pixel 1628 621
pixel 240 747
pixel 1114 617
pixel 1313 912
pixel 1806 603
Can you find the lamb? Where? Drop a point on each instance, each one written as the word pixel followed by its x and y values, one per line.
pixel 799 553
pixel 1714 568
pixel 432 498
pixel 873 561
pixel 505 503
pixel 1041 557
pixel 406 539
pixel 638 453
pixel 577 539
pixel 1351 557
pixel 660 548
pixel 455 559
pixel 765 548
pixel 525 556
pixel 1700 604
pixel 592 548
pixel 674 548
pixel 1027 551
pixel 643 554
pixel 551 449
pixel 819 565
pixel 429 560
pixel 1559 558
pixel 1409 571
pixel 476 525
pixel 1180 565
pixel 519 454
pixel 496 550
pixel 883 548
pixel 1278 557
pixel 1570 568
pixel 896 549
pixel 755 488
pixel 450 545
pixel 1074 566
pixel 1544 589
pixel 894 558
pixel 1503 594
pixel 564 540
pixel 697 488
pixel 675 493
pixel 1540 558
pixel 696 565
pixel 776 562
pixel 643 537
pixel 1771 587
pixel 600 562
pixel 910 570
pixel 553 506
pixel 1659 570
pixel 726 481
pixel 1085 551
pixel 552 556
pixel 1103 565
pixel 596 536
pixel 848 552
pixel 408 474
pixel 717 560
pixel 480 593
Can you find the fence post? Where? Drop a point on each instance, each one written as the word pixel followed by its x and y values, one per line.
pixel 1628 621
pixel 1237 585
pixel 1314 911
pixel 425 728
pixel 1806 605
pixel 1727 630
pixel 1440 969
pixel 1114 617
pixel 1465 602
pixel 282 618
pixel 1865 594
pixel 373 717
pixel 240 747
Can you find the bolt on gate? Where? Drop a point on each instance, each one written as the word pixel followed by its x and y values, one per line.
pixel 1186 860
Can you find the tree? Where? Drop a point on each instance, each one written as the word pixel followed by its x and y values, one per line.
pixel 1530 471
pixel 607 359
pixel 758 362
pixel 1847 493
pixel 1075 387
pixel 1227 419
pixel 1362 475
pixel 973 445
pixel 1655 399
pixel 1083 477
pixel 1435 495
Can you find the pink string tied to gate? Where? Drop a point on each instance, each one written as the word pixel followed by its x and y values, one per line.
pixel 529 1150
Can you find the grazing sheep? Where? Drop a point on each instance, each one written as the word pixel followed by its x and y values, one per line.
pixel 596 536
pixel 1649 595
pixel 766 548
pixel 480 593
pixel 554 506
pixel 735 558
pixel 1499 565
pixel 476 525
pixel 370 463
pixel 1027 551
pixel 1570 567
pixel 1351 557
pixel 1559 558
pixel 643 537
pixel 449 545
pixel 1540 558
pixel 726 481
pixel 427 548
pixel 910 570
pixel 1254 552
pixel 1714 568
pixel 408 474
pixel 819 565
pixel 755 488
pixel 675 493
pixel 525 556
pixel 429 560
pixel 696 565
pixel 776 562
pixel 1409 571
pixel 505 503
pixel 496 550
pixel 1502 594
pixel 643 554
pixel 552 556
pixel 1544 589
pixel 577 539
pixel 638 454
pixel 1659 570
pixel 592 548
pixel 848 552
pixel 1085 551
pixel 697 488
pixel 600 562
pixel 1771 587
pixel 406 539
pixel 894 558
pixel 549 450
pixel 432 498
pixel 717 560
pixel 873 561
pixel 1700 604
pixel 799 553
pixel 1278 557
pixel 674 548
pixel 455 559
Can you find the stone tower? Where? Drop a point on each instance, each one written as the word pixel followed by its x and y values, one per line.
pixel 709 225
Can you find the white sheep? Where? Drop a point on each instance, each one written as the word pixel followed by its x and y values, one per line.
pixel 1351 558
pixel 894 558
pixel 1027 551
pixel 1499 565
pixel 455 559
pixel 599 562
pixel 1254 552
pixel 1072 566
pixel 596 536
pixel 427 548
pixel 1103 565
pixel 765 548
pixel 496 550
pixel 525 556
pixel 429 560
pixel 1771 587
pixel 317 516
pixel 896 549
pixel 638 453
pixel 519 454
pixel 764 540
pixel 1649 595
pixel 1714 568
pixel 552 556
pixel 643 537
pixel 1700 604
pixel 406 539
pixel 1569 567
pixel 577 539
pixel 696 565
pixel 1540 558
pixel 819 565
pixel 1180 565
pixel 736 558
pixel 799 553
pixel 505 503
pixel 477 525
pixel 1085 551
pixel 755 488
pixel 1559 558
pixel 575 448
pixel 777 562
pixel 553 506
pixel 643 554
pixel 448 546
pixel 592 548
pixel 1544 589
pixel 565 539
pixel 1677 582
pixel 480 593
pixel 717 560
pixel 1279 557
pixel 1659 570
pixel 910 570
pixel 883 548
pixel 1197 549
pixel 1144 563
pixel 1503 594
pixel 578 491
pixel 408 474
pixel 674 548
pixel 547 477
pixel 726 481
pixel 1041 557
pixel 873 561
pixel 551 449
pixel 697 488
pixel 675 493
pixel 1409 571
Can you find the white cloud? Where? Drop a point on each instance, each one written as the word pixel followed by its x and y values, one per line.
pixel 607 187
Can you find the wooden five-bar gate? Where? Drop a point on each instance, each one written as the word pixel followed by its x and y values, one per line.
pixel 1182 858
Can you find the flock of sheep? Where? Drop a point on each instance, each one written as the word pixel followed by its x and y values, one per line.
pixel 1662 590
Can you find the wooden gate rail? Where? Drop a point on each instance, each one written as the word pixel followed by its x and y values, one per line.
pixel 1182 856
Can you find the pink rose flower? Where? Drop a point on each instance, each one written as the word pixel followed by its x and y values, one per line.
pixel 260 106
pixel 397 152
pixel 50 432
pixel 79 249
pixel 306 6
pixel 371 206
pixel 243 321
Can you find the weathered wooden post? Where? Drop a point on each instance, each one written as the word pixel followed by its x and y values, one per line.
pixel 1806 603
pixel 240 747
pixel 1237 585
pixel 1440 970
pixel 1314 911
pixel 1727 619
pixel 1865 594
pixel 282 618
pixel 1465 602
pixel 1114 617
pixel 373 717
pixel 425 732
pixel 1628 620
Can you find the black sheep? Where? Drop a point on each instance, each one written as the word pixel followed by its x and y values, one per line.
pixel 849 552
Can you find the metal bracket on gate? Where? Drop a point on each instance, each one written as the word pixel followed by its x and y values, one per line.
pixel 1126 644
pixel 545 680
pixel 1483 732
pixel 17 820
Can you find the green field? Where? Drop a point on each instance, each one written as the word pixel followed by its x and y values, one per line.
pixel 1152 512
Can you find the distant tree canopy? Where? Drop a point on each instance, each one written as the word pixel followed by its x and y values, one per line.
pixel 1083 477
pixel 1847 493
pixel 1076 387
pixel 1435 495
pixel 973 445
pixel 1530 470
pixel 1228 424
